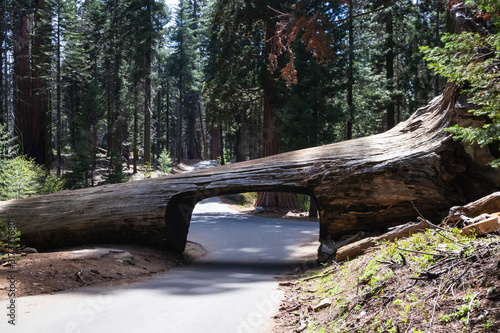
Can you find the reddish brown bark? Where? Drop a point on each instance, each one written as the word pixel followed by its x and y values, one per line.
pixel 22 88
pixel 270 139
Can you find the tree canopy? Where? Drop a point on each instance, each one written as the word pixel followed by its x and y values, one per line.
pixel 124 81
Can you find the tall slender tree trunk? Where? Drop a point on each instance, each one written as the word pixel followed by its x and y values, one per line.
pixel 181 97
pixel 221 147
pixel 203 134
pixel 350 72
pixel 109 97
pixel 58 97
pixel 22 74
pixel 241 144
pixel 437 83
pixel 159 105
pixel 36 147
pixel 147 119
pixel 167 116
pixel 5 68
pixel 3 59
pixel 192 151
pixel 389 63
pixel 180 118
pixel 214 144
pixel 147 90
pixel 136 129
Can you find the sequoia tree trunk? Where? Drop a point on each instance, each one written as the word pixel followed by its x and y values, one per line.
pixel 271 139
pixel 22 74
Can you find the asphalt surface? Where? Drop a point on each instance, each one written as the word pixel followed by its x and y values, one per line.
pixel 232 289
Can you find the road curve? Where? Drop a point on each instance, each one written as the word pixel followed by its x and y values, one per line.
pixel 232 289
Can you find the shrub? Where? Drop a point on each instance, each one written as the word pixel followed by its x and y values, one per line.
pixel 165 162
pixel 20 176
pixel 5 236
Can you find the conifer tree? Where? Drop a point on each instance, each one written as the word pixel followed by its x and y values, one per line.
pixel 186 68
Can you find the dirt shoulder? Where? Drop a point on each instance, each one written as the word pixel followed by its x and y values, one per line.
pixel 103 265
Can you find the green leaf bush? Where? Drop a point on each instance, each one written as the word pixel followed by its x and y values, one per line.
pixel 473 60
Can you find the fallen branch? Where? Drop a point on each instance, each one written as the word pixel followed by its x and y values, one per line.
pixel 79 275
pixel 359 247
pixel 324 274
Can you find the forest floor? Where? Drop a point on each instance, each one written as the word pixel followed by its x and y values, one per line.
pixel 430 282
pixel 103 265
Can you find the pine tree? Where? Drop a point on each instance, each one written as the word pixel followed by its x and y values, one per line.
pixel 186 68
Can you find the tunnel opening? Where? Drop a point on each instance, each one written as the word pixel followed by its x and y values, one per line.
pixel 179 210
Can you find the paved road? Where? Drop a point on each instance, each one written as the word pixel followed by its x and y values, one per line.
pixel 232 289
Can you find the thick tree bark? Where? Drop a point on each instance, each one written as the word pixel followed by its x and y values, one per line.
pixel 35 147
pixel 366 184
pixel 270 139
pixel 22 74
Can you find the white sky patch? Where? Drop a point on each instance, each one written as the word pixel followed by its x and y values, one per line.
pixel 172 3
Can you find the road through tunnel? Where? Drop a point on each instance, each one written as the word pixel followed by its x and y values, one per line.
pixel 180 208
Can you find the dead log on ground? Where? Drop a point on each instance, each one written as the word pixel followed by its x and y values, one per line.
pixel 461 215
pixel 364 184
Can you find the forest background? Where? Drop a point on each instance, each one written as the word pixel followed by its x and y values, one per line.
pixel 229 80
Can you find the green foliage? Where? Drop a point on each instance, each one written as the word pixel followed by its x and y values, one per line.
pixel 21 176
pixel 472 58
pixel 243 199
pixel 85 124
pixel 148 169
pixel 304 202
pixel 7 145
pixel 7 235
pixel 165 162
pixel 50 184
pixel 377 279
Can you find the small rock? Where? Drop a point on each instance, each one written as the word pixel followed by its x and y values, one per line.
pixel 125 258
pixel 324 303
pixel 95 271
pixel 30 250
pixel 258 210
pixel 494 295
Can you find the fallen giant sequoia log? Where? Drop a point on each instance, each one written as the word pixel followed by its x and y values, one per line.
pixel 364 184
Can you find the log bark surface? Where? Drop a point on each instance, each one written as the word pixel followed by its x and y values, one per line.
pixel 364 184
